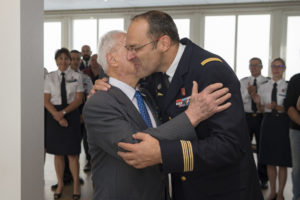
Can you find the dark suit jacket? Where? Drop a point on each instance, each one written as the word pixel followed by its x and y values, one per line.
pixel 218 164
pixel 110 117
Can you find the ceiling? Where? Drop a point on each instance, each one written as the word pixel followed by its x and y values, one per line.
pixel 99 4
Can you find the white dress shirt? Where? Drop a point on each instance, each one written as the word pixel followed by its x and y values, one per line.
pixel 245 82
pixel 74 84
pixel 265 93
pixel 172 69
pixel 129 91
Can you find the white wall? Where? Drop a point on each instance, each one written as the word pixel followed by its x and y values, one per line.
pixel 21 102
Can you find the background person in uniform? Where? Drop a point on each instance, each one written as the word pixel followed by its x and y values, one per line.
pixel 62 96
pixel 217 165
pixel 275 143
pixel 86 55
pixel 293 110
pixel 87 85
pixel 249 87
pixel 94 71
pixel 116 115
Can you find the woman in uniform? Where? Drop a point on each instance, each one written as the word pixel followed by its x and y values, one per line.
pixel 63 94
pixel 275 143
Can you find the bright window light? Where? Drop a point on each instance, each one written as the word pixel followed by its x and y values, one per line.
pixel 106 25
pixel 219 36
pixel 183 26
pixel 293 47
pixel 52 42
pixel 85 32
pixel 253 40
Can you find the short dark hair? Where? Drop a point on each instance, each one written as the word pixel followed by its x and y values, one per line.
pixel 160 23
pixel 255 58
pixel 75 51
pixel 279 59
pixel 62 51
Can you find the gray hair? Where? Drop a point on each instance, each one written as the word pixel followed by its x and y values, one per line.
pixel 106 45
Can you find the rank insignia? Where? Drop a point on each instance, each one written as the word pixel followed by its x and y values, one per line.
pixel 183 102
pixel 159 94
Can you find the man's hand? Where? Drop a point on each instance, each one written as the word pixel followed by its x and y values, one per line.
pixel 100 84
pixel 143 154
pixel 206 103
pixel 63 122
pixel 251 90
pixel 58 115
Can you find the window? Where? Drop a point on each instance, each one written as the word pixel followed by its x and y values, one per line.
pixel 85 32
pixel 293 47
pixel 183 26
pixel 106 25
pixel 253 40
pixel 221 44
pixel 52 42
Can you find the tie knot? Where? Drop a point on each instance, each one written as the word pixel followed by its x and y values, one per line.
pixel 275 85
pixel 137 94
pixel 63 73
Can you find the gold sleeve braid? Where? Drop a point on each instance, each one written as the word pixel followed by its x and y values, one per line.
pixel 188 156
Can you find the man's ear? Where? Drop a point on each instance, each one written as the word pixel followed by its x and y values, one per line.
pixel 111 61
pixel 164 43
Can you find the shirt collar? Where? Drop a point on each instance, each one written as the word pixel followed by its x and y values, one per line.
pixel 278 82
pixel 125 88
pixel 67 71
pixel 172 69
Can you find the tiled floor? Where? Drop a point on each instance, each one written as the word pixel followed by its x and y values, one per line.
pixel 86 189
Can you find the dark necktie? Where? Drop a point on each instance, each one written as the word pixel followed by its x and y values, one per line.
pixel 143 109
pixel 166 80
pixel 253 104
pixel 274 96
pixel 63 90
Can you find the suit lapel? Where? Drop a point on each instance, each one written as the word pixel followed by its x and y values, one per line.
pixel 151 104
pixel 128 106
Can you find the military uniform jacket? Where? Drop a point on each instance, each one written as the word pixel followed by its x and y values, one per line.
pixel 219 163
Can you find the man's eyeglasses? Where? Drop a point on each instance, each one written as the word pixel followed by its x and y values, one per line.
pixel 277 66
pixel 136 49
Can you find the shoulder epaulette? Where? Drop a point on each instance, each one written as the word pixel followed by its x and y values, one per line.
pixel 207 60
pixel 244 78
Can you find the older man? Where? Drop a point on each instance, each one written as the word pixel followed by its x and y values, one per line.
pixel 114 116
pixel 218 164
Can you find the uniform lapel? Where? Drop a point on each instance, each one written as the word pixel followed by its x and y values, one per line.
pixel 128 106
pixel 178 80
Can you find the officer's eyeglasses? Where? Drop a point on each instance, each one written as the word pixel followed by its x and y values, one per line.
pixel 277 66
pixel 136 49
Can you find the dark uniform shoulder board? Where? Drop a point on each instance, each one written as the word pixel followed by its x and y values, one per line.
pixel 188 156
pixel 207 60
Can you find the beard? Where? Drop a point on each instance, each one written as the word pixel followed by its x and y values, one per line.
pixel 86 57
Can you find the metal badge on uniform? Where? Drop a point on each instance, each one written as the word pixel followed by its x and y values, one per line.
pixel 159 86
pixel 182 91
pixel 183 102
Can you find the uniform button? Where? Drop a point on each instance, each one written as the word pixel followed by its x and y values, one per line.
pixel 183 178
pixel 170 118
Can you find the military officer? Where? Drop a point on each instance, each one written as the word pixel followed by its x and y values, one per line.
pixel 249 88
pixel 217 165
